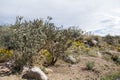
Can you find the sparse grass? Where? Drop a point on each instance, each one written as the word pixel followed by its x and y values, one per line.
pixel 107 57
pixel 92 52
pixel 113 76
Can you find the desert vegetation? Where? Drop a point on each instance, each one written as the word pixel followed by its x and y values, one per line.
pixel 41 43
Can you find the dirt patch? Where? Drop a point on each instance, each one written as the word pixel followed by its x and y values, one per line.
pixel 10 77
pixel 66 71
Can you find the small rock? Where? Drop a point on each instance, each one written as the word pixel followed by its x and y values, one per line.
pixel 25 69
pixel 70 59
pixel 118 79
pixel 94 42
pixel 99 54
pixel 48 70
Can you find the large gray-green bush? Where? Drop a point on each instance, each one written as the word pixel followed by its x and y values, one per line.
pixel 29 37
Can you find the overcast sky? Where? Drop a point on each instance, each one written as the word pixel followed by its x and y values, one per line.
pixel 100 16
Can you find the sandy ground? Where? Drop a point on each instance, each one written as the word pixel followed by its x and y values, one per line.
pixel 66 71
pixel 63 71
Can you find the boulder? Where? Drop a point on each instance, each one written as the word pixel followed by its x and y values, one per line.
pixel 117 79
pixel 91 42
pixel 94 42
pixel 35 73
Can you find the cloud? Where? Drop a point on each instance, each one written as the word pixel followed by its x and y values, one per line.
pixel 111 23
pixel 106 31
pixel 90 15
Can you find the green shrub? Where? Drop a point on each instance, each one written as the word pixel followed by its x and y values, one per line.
pixel 5 55
pixel 42 68
pixel 30 37
pixel 90 65
pixel 112 40
pixel 116 59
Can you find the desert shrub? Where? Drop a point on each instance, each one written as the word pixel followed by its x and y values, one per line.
pixel 7 38
pixel 30 37
pixel 76 48
pixel 116 59
pixel 5 55
pixel 47 54
pixel 44 58
pixel 90 65
pixel 109 39
pixel 112 40
pixel 118 49
pixel 113 76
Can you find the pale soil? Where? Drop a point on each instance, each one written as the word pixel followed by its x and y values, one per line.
pixel 63 71
pixel 66 71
